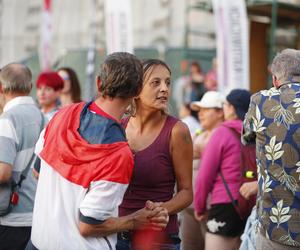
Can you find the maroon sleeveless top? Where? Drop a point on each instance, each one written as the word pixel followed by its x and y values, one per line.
pixel 153 176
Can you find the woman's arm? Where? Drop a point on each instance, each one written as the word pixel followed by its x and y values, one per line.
pixel 181 148
pixel 210 163
pixel 150 215
pixel 199 144
pixel 248 189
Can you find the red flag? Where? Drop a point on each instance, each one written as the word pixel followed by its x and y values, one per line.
pixel 77 160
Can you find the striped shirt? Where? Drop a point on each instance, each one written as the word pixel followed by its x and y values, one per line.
pixel 19 130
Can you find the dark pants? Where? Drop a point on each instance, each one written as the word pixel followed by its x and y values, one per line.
pixel 125 243
pixel 14 238
pixel 30 246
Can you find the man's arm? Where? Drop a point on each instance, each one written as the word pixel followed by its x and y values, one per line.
pixel 248 134
pixel 36 167
pixel 150 216
pixel 8 149
pixel 38 148
pixel 5 172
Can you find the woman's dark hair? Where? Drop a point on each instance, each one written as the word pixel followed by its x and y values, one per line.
pixel 149 63
pixel 197 66
pixel 193 113
pixel 74 82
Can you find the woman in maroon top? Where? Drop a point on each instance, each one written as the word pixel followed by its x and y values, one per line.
pixel 162 148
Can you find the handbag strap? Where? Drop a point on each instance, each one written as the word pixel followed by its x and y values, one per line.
pixel 26 169
pixel 233 201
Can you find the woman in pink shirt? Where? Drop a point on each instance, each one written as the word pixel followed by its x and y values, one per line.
pixel 222 153
pixel 210 113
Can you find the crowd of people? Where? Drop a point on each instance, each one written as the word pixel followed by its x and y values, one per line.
pixel 115 172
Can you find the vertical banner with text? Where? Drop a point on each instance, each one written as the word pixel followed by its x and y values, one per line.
pixel 91 54
pixel 118 20
pixel 46 36
pixel 232 35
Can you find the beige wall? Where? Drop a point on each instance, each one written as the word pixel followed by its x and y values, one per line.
pixel 156 23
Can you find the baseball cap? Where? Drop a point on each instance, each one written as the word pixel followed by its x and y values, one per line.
pixel 211 99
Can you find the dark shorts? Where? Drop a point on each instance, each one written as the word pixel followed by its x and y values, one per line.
pixel 224 220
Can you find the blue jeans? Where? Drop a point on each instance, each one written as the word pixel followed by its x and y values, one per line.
pixel 124 243
pixel 30 246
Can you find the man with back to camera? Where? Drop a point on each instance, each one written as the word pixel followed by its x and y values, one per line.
pixel 86 166
pixel 273 123
pixel 20 125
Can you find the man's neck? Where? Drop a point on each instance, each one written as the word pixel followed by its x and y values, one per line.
pixel 115 107
pixel 8 97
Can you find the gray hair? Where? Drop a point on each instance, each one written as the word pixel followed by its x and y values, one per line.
pixel 16 78
pixel 286 65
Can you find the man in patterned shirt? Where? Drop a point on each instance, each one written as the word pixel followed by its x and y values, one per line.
pixel 273 123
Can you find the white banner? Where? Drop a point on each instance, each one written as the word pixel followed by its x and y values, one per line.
pixel 118 21
pixel 46 36
pixel 232 44
pixel 89 89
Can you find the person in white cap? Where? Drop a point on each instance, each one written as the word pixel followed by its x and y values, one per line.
pixel 220 177
pixel 210 113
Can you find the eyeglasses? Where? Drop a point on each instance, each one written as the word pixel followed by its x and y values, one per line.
pixel 65 78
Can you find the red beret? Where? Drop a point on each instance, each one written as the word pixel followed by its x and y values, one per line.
pixel 50 79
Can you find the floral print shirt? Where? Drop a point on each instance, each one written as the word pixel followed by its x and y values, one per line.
pixel 273 123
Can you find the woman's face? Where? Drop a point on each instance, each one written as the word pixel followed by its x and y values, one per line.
pixel 156 88
pixel 229 111
pixel 47 96
pixel 67 84
pixel 210 117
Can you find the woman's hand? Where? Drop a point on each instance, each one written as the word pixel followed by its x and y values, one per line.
pixel 200 217
pixel 248 189
pixel 161 219
pixel 152 215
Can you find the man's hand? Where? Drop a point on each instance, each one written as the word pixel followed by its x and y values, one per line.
pixel 153 215
pixel 248 189
pixel 159 221
pixel 200 217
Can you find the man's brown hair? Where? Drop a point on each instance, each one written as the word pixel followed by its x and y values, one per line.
pixel 121 76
